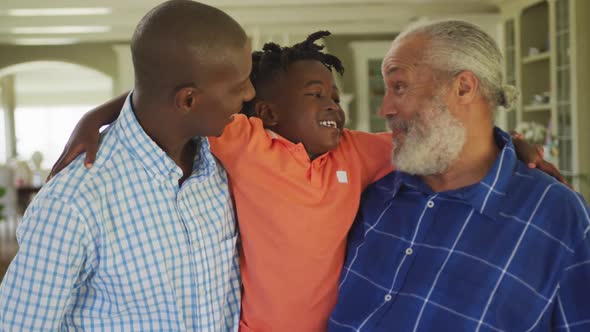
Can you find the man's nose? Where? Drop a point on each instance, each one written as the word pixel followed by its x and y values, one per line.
pixel 387 107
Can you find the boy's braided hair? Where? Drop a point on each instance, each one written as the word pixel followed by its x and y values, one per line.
pixel 273 59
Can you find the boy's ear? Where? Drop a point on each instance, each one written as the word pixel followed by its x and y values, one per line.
pixel 266 112
pixel 186 99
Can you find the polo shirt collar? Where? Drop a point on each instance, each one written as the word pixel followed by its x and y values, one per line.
pixel 298 149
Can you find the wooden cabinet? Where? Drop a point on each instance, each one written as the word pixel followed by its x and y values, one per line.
pixel 547 52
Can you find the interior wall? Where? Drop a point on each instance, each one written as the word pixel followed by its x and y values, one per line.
pixel 99 56
pixel 339 45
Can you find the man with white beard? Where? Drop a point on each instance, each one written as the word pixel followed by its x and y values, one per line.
pixel 463 237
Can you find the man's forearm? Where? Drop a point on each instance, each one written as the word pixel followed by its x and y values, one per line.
pixel 108 112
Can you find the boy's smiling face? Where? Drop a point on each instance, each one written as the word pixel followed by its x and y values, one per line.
pixel 303 107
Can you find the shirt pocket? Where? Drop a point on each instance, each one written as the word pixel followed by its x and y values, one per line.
pixel 218 277
pixel 465 290
pixel 513 304
pixel 220 256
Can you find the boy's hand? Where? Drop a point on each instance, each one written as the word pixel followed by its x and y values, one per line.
pixel 84 138
pixel 532 155
pixel 86 135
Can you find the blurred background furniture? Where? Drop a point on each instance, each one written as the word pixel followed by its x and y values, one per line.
pixel 547 51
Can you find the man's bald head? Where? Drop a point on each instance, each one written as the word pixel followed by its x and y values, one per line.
pixel 176 42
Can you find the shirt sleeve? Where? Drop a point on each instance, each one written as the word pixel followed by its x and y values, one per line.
pixel 571 311
pixel 38 285
pixel 374 154
pixel 235 137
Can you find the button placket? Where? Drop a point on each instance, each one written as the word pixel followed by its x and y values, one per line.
pixel 408 252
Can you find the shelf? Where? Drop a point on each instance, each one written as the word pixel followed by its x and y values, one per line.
pixel 536 57
pixel 537 108
pixel 562 32
pixel 566 173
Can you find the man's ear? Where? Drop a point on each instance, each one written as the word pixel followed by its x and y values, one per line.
pixel 466 87
pixel 186 99
pixel 267 113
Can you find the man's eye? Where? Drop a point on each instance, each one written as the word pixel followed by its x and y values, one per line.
pixel 315 94
pixel 399 87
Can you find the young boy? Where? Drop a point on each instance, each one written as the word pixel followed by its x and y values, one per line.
pixel 296 175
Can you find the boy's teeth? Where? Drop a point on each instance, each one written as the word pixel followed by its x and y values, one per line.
pixel 329 124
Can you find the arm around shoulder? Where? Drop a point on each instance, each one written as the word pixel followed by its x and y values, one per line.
pixel 374 154
pixel 235 137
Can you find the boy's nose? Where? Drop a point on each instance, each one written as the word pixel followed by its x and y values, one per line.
pixel 333 105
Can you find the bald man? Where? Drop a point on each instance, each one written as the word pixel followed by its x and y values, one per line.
pixel 146 239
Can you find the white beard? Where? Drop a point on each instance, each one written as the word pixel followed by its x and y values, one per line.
pixel 430 142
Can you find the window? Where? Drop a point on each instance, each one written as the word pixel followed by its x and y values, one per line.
pixel 45 130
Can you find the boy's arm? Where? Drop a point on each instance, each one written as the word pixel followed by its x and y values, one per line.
pixel 231 145
pixel 38 285
pixel 532 156
pixel 372 148
pixel 86 134
pixel 373 153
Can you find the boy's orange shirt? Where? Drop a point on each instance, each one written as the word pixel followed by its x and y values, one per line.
pixel 294 215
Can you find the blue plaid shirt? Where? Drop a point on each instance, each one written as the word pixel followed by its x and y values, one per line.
pixel 510 253
pixel 121 247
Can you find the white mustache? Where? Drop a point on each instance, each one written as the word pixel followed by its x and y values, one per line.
pixel 399 125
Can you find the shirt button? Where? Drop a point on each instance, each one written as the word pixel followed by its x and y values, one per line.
pixel 387 297
pixel 430 204
pixel 409 251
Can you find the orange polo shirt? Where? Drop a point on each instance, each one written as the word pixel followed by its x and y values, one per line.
pixel 294 215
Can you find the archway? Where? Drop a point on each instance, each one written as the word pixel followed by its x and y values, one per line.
pixel 44 98
pixel 40 103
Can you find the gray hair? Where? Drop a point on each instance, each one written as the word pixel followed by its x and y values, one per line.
pixel 457 46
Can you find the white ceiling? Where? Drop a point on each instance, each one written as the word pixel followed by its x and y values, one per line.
pixel 257 16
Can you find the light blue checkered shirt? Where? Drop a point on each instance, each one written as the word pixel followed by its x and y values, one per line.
pixel 121 247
